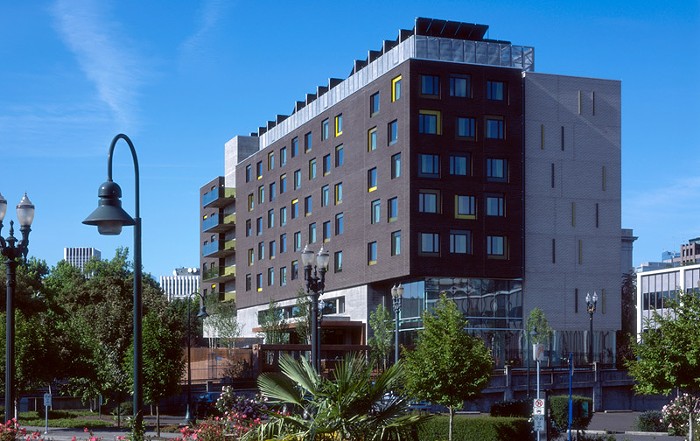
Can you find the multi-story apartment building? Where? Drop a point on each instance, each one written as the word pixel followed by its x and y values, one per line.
pixel 181 284
pixel 444 163
pixel 79 256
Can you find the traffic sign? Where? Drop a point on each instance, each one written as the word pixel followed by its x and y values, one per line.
pixel 538 406
pixel 538 423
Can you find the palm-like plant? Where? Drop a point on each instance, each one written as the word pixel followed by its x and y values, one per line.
pixel 348 406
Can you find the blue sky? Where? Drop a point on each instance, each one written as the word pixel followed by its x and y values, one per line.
pixel 180 78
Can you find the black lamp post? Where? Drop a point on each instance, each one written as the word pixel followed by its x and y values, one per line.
pixel 315 267
pixel 110 217
pixel 189 420
pixel 396 296
pixel 11 251
pixel 590 307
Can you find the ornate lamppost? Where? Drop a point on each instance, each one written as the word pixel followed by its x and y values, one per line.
pixel 12 251
pixel 396 296
pixel 590 307
pixel 315 267
pixel 202 314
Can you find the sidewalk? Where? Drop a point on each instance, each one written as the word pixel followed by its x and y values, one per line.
pixel 623 424
pixel 108 433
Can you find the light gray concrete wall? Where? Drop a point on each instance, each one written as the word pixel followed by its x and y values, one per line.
pixel 587 171
pixel 237 149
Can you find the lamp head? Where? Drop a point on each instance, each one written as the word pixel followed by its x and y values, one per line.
pixel 3 207
pixel 109 216
pixel 307 257
pixel 202 312
pixel 588 297
pixel 25 211
pixel 397 291
pixel 322 259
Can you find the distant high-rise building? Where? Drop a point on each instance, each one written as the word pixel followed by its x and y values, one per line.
pixel 182 283
pixel 79 256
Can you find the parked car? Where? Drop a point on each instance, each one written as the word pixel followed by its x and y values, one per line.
pixel 206 404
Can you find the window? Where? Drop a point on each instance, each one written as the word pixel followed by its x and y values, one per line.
pixel 339 224
pixel 312 232
pixel 372 139
pixel 461 86
pixel 338 193
pixel 375 212
pixel 295 269
pixel 396 166
pixel 339 125
pixel 297 179
pixel 372 179
pixel 248 227
pixel 459 165
pixel 372 253
pixel 429 122
pixel 324 129
pixel 496 169
pixel 283 276
pixel 283 216
pixel 430 243
pixel 295 208
pixel 374 104
pixel 308 142
pixel 396 243
pixel 259 169
pixel 428 166
pixel 297 241
pixel 251 256
pixel 339 155
pixel 259 282
pixel 270 276
pixel 248 172
pixel 326 164
pixel 270 218
pixel 259 226
pixel 393 209
pixel 460 242
pixel 261 194
pixel 393 132
pixel 295 147
pixel 495 90
pixel 430 85
pixel 495 246
pixel 495 205
pixel 283 183
pixel 325 195
pixel 326 231
pixel 251 202
pixel 338 261
pixel 273 249
pixel 396 89
pixel 271 161
pixel 273 191
pixel 261 250
pixel 429 201
pixel 465 207
pixel 283 243
pixel 495 128
pixel 312 169
pixel 308 206
pixel 466 127
pixel 248 282
pixel 283 156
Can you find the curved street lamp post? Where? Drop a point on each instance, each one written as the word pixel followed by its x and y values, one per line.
pixel 189 420
pixel 315 267
pixel 590 307
pixel 396 296
pixel 12 251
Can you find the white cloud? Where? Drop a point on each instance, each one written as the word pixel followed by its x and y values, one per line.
pixel 208 18
pixel 102 54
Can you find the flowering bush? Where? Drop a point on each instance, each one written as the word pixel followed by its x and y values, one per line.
pixel 11 431
pixel 676 414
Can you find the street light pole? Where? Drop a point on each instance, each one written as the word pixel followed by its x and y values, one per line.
pixel 189 420
pixel 315 267
pixel 12 251
pixel 590 307
pixel 396 296
pixel 110 217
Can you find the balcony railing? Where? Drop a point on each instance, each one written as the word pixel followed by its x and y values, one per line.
pixel 218 197
pixel 219 272
pixel 219 248
pixel 210 222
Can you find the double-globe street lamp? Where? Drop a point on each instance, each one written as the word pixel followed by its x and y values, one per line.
pixel 396 296
pixel 110 217
pixel 12 251
pixel 315 267
pixel 590 307
pixel 202 314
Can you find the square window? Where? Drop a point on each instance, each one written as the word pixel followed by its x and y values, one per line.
pixel 374 104
pixel 312 169
pixel 308 206
pixel 271 161
pixel 251 256
pixel 372 179
pixel 396 243
pixel 429 122
pixel 261 194
pixel 295 147
pixel 324 129
pixel 248 282
pixel 259 282
pixel 251 201
pixel 339 155
pixel 248 227
pixel 261 250
pixel 495 128
pixel 393 132
pixel 270 276
pixel 283 156
pixel 338 193
pixel 248 172
pixel 326 164
pixel 297 179
pixel 339 125
pixel 295 208
pixel 297 241
pixel 273 191
pixel 338 261
pixel 259 226
pixel 430 243
pixel 325 195
pixel 495 205
pixel 396 166
pixel 308 141
pixel 270 218
pixel 327 231
pixel 496 170
pixel 459 165
pixel 428 166
pixel 429 201
pixel 372 253
pixel 283 276
pixel 283 183
pixel 460 242
pixel 465 207
pixel 430 85
pixel 396 89
pixel 466 127
pixel 312 232
pixel 339 224
pixel 460 86
pixel 496 246
pixel 283 243
pixel 295 269
pixel 283 216
pixel 393 209
pixel 273 249
pixel 495 90
pixel 375 212
pixel 372 139
pixel 259 169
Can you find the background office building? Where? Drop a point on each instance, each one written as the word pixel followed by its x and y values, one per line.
pixel 181 284
pixel 79 256
pixel 444 163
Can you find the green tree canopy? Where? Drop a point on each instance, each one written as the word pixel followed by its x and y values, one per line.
pixel 537 321
pixel 381 342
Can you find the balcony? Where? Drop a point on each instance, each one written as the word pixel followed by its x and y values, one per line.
pixel 213 223
pixel 219 248
pixel 219 274
pixel 219 197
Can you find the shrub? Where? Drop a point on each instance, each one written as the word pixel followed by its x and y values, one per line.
pixel 675 414
pixel 511 408
pixel 651 421
pixel 582 412
pixel 475 429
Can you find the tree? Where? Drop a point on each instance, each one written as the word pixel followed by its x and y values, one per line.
pixel 381 341
pixel 447 365
pixel 223 320
pixel 625 336
pixel 303 323
pixel 272 323
pixel 352 405
pixel 668 355
pixel 537 321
